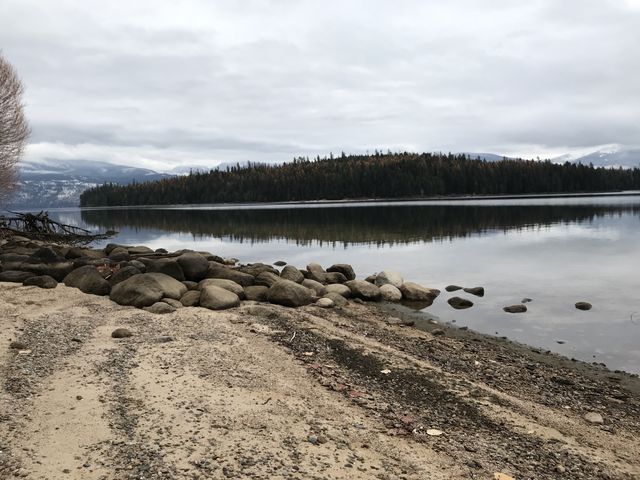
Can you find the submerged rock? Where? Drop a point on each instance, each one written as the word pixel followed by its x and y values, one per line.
pixel 417 293
pixel 477 291
pixel 583 306
pixel 452 288
pixel 515 308
pixel 460 303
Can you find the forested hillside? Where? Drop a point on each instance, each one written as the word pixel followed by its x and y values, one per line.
pixel 392 175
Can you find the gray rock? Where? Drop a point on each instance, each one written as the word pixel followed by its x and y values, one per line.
pixel 191 298
pixel 583 306
pixel 139 250
pixel 217 270
pixel 14 276
pixel 167 266
pixel 172 301
pixel 223 283
pixel 526 300
pixel 139 265
pixel 193 265
pixel 371 278
pixel 146 289
pixel 340 289
pixel 121 333
pixel 325 303
pixel 390 293
pixel 417 293
pixel 47 255
pixel 460 303
pixel 363 290
pixel 389 278
pixel 112 246
pixel 160 308
pixel 280 263
pixel 191 285
pixel 292 273
pixel 88 280
pixel 42 281
pixel 337 299
pixel 515 308
pixel 453 288
pixel 477 291
pixel 122 274
pixel 289 294
pixel 317 273
pixel 119 254
pixel 343 268
pixel 217 298
pixel 17 345
pixel 266 279
pixel 256 269
pixel 256 293
pixel 317 287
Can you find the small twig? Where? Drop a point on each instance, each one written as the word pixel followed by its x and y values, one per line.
pixel 292 337
pixel 267 401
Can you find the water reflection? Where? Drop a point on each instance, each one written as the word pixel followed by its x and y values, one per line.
pixel 377 225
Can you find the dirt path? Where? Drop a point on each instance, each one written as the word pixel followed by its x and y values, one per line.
pixel 268 392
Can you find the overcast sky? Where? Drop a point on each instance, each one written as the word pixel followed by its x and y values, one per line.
pixel 163 84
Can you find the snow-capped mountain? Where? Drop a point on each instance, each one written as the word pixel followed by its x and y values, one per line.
pixel 612 156
pixel 59 183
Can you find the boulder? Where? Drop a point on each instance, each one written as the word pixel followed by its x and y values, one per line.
pixel 325 303
pixel 78 252
pixel 14 276
pixel 477 291
pixel 191 298
pixel 583 306
pixel 315 286
pixel 594 417
pixel 256 269
pixel 390 293
pixel 146 289
pixel 88 280
pixel 389 278
pixel 122 274
pixel 47 255
pixel 173 302
pixel 139 250
pixel 112 246
pixel 223 283
pixel 56 270
pixel 337 299
pixel 217 270
pixel 217 298
pixel 168 266
pixel 371 278
pixel 343 268
pixel 417 293
pixel 160 308
pixel 42 281
pixel 292 273
pixel 452 288
pixel 119 254
pixel 257 293
pixel 515 308
pixel 460 303
pixel 289 294
pixel 280 263
pixel 121 333
pixel 317 273
pixel 193 265
pixel 190 285
pixel 266 278
pixel 340 289
pixel 139 265
pixel 363 290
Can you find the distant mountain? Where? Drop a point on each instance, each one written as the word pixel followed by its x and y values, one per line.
pixel 59 183
pixel 612 157
pixel 489 157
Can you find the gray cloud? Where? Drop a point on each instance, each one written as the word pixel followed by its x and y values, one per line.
pixel 205 82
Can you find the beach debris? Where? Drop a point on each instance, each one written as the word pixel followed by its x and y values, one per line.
pixel 386 371
pixel 434 432
pixel 502 476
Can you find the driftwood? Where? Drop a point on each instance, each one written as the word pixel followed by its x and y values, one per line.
pixel 38 226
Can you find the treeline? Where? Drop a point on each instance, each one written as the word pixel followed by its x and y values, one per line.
pixel 391 175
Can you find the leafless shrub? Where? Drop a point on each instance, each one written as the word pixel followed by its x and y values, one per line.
pixel 14 129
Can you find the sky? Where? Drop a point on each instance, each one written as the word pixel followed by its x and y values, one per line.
pixel 195 83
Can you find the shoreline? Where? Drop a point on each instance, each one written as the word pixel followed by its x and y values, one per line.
pixel 233 389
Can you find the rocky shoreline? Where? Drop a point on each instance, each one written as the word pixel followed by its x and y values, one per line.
pixel 135 382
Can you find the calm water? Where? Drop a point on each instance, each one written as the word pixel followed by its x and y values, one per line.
pixel 554 251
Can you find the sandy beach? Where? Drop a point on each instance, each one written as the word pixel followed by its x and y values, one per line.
pixel 264 391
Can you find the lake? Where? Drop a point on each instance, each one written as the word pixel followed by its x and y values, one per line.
pixel 556 251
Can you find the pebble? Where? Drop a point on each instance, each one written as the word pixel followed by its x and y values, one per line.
pixel 583 306
pixel 18 346
pixel 594 417
pixel 560 469
pixel 121 333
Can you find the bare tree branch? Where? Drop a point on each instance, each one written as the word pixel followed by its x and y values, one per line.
pixel 14 129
